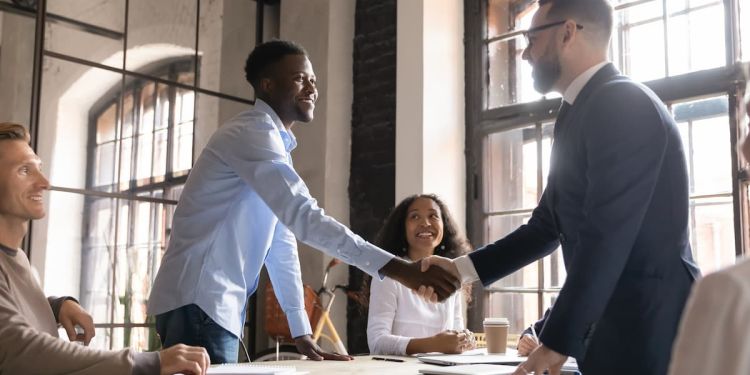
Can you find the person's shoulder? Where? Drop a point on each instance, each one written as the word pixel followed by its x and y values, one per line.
pixel 735 277
pixel 250 119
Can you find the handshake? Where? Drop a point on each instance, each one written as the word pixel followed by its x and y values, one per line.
pixel 434 278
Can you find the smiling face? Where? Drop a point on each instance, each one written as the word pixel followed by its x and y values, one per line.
pixel 22 184
pixel 291 89
pixel 424 226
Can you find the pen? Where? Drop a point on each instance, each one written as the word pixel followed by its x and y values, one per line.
pixel 387 359
pixel 533 332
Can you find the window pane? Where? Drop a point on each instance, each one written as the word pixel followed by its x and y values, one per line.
pixel 162 108
pixel 67 136
pixel 97 256
pixel 68 40
pixel 696 39
pixel 500 226
pixel 106 167
pixel 712 234
pixel 704 127
pixel 16 66
pixel 147 109
pixel 160 154
pixel 744 26
pixel 144 162
pixel 127 116
pixel 521 309
pixel 511 170
pixel 161 30
pixel 137 338
pixel 498 19
pixel 644 51
pixel 126 153
pixel 554 270
pixel 227 31
pixel 106 125
pixel 499 89
pixel 108 14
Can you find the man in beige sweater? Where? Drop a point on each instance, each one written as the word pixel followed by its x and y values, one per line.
pixel 29 343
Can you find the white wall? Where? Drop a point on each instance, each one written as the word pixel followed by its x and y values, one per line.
pixel 326 29
pixel 430 114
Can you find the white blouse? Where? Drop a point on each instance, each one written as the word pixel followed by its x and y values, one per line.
pixel 397 314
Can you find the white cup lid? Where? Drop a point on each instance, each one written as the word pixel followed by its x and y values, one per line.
pixel 496 321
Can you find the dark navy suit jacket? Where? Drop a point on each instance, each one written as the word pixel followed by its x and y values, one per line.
pixel 617 202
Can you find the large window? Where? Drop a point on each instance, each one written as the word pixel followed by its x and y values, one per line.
pixel 120 97
pixel 142 145
pixel 683 49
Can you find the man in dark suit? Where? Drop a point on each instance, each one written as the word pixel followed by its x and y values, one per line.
pixel 616 200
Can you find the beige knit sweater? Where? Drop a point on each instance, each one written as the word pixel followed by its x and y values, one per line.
pixel 29 343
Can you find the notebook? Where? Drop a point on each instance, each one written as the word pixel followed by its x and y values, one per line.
pixel 457 359
pixel 250 369
pixel 469 370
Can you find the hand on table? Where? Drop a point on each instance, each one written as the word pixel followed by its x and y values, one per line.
pixel 184 359
pixel 453 342
pixel 542 358
pixel 308 347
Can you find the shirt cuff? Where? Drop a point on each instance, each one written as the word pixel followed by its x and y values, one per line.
pixel 299 323
pixel 146 363
pixel 466 269
pixel 401 344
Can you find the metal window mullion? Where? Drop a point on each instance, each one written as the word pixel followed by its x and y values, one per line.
pixel 665 28
pixel 539 182
pixel 171 113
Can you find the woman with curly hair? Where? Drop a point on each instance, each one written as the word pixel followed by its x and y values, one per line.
pixel 399 321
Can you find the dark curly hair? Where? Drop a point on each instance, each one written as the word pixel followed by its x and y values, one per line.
pixel 267 54
pixel 392 236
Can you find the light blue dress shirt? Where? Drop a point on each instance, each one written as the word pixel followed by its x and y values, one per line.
pixel 242 206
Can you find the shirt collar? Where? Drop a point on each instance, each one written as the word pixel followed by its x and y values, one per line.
pixel 575 87
pixel 8 250
pixel 290 141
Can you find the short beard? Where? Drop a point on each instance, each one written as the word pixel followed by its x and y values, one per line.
pixel 546 73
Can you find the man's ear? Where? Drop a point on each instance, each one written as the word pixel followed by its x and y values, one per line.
pixel 266 85
pixel 570 31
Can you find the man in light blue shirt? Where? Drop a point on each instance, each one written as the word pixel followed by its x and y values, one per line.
pixel 244 206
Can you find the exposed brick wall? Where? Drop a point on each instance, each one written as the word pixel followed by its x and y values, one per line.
pixel 373 170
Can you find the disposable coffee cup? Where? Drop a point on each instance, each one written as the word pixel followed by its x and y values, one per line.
pixel 496 334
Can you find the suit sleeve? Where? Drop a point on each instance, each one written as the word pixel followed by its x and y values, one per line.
pixel 624 137
pixel 526 244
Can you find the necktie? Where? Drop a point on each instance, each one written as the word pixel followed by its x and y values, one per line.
pixel 561 116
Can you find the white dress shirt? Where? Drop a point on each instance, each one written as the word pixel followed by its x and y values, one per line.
pixel 242 207
pixel 397 315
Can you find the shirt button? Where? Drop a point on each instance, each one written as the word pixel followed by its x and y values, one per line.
pixel 367 263
pixel 563 240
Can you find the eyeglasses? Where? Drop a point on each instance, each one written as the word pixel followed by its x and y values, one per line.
pixel 530 32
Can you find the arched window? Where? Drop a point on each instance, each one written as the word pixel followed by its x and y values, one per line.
pixel 140 144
